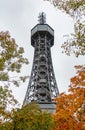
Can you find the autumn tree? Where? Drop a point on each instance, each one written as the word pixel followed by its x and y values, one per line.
pixel 29 117
pixel 11 61
pixel 76 9
pixel 70 108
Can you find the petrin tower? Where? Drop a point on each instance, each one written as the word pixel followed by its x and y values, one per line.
pixel 42 86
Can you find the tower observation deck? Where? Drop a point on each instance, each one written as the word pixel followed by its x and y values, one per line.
pixel 42 87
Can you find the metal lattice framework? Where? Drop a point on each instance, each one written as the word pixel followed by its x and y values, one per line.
pixel 42 86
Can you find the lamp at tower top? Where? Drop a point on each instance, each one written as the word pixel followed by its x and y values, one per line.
pixel 42 18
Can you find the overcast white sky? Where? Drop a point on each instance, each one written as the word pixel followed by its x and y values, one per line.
pixel 19 17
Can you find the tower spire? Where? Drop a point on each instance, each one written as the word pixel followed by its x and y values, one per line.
pixel 42 18
pixel 42 87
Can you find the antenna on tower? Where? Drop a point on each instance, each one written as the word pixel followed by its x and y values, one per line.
pixel 42 18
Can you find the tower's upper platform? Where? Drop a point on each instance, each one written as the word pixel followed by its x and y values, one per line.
pixel 41 29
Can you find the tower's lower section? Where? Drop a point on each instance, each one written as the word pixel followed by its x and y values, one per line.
pixel 47 107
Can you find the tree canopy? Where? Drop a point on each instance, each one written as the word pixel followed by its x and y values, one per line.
pixel 29 117
pixel 70 108
pixel 11 61
pixel 71 7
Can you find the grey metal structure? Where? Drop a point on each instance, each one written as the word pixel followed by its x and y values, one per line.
pixel 42 86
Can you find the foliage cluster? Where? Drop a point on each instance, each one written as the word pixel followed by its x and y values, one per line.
pixel 11 57
pixel 70 108
pixel 29 117
pixel 70 6
pixel 11 61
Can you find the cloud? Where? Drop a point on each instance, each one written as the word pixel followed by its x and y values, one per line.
pixel 11 10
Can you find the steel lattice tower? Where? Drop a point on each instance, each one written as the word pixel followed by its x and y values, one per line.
pixel 42 86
